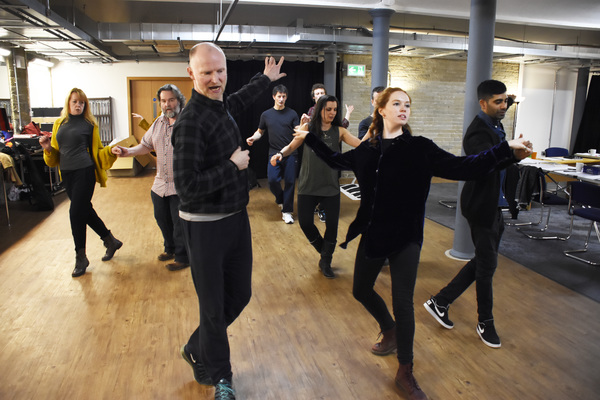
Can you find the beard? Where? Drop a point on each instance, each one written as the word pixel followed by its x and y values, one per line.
pixel 172 113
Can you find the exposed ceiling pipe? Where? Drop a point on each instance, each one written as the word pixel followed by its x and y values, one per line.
pixel 224 22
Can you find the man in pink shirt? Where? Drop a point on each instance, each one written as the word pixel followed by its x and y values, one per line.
pixel 164 197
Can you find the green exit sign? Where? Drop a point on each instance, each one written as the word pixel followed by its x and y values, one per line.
pixel 356 70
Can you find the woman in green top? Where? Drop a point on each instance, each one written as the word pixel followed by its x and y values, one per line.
pixel 318 183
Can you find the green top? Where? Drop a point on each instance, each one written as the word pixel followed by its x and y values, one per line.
pixel 317 178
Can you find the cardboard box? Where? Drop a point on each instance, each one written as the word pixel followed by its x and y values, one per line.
pixel 128 166
pixel 125 166
pixel 131 141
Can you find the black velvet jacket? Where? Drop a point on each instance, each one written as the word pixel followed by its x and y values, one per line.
pixel 395 183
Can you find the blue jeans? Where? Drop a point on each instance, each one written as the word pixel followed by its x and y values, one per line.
pixel 166 213
pixel 284 170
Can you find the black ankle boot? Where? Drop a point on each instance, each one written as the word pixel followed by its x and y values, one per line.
pixel 325 261
pixel 112 245
pixel 318 244
pixel 81 263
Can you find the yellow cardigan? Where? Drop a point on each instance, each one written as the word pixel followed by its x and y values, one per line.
pixel 102 156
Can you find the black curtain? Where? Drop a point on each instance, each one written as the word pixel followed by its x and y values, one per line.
pixel 588 136
pixel 300 78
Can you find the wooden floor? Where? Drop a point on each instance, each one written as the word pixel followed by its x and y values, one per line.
pixel 115 332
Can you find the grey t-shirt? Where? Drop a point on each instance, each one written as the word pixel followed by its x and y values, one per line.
pixel 316 177
pixel 74 137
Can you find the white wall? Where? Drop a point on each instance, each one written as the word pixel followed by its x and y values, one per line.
pixel 537 120
pixel 104 80
pixel 4 83
pixel 40 86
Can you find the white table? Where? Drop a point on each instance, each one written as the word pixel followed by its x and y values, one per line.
pixel 561 169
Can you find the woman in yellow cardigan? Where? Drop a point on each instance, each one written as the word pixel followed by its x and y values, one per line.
pixel 76 148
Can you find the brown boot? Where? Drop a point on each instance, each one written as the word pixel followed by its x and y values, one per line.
pixel 406 381
pixel 81 263
pixel 112 245
pixel 387 344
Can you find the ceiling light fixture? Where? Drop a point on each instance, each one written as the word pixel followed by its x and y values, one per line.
pixel 42 62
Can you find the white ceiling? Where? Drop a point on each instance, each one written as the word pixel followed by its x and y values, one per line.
pixel 550 31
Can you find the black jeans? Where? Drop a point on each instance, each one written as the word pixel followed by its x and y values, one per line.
pixel 306 214
pixel 479 270
pixel 80 184
pixel 403 271
pixel 220 255
pixel 166 213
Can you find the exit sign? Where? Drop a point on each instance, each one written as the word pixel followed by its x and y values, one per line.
pixel 356 70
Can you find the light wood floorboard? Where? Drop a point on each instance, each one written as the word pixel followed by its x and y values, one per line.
pixel 115 332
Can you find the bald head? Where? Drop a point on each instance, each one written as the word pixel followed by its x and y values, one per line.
pixel 208 70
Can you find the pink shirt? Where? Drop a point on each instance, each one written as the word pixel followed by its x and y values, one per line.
pixel 158 139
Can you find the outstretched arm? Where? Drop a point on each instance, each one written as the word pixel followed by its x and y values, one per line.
pixel 257 135
pixel 273 69
pixel 130 151
pixel 349 138
pixel 290 148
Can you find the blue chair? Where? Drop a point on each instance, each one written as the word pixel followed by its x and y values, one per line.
pixel 584 203
pixel 546 199
pixel 556 152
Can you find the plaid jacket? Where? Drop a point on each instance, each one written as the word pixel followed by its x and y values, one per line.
pixel 204 137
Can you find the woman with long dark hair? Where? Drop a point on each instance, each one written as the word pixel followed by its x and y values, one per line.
pixel 394 171
pixel 317 182
pixel 76 149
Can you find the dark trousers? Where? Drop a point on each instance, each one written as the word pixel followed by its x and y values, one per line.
pixel 403 272
pixel 166 213
pixel 220 255
pixel 284 170
pixel 80 184
pixel 479 270
pixel 306 216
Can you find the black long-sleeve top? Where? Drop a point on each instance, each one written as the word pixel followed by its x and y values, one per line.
pixel 204 137
pixel 395 182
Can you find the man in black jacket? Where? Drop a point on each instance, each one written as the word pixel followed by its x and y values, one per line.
pixel 480 206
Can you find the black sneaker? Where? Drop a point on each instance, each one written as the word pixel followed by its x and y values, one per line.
pixel 200 374
pixel 487 333
pixel 224 391
pixel 321 215
pixel 438 312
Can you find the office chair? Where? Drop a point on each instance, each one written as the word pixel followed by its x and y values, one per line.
pixel 546 199
pixel 556 152
pixel 584 203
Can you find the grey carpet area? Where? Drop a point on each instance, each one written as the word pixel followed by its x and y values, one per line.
pixel 542 256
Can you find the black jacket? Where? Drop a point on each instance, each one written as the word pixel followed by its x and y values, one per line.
pixel 479 199
pixel 394 185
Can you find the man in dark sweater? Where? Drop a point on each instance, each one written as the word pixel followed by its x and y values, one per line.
pixel 279 123
pixel 480 206
pixel 363 126
pixel 210 171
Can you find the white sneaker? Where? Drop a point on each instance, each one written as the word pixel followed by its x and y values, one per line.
pixel 287 218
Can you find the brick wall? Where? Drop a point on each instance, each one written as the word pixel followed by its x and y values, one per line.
pixel 437 90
